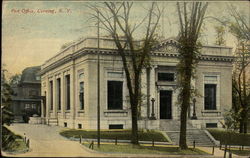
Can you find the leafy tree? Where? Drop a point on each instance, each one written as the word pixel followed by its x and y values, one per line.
pixel 15 79
pixel 191 17
pixel 7 116
pixel 220 33
pixel 115 18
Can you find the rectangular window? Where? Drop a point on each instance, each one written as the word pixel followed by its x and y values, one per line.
pixel 67 92
pixel 81 95
pixel 59 93
pixel 165 76
pixel 27 106
pixel 116 126
pixel 210 96
pixel 115 95
pixel 51 95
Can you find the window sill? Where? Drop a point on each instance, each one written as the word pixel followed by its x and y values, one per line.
pixel 67 111
pixel 166 83
pixel 81 111
pixel 116 113
pixel 211 112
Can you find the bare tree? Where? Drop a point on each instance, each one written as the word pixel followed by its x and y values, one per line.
pixel 115 18
pixel 239 27
pixel 191 17
pixel 239 24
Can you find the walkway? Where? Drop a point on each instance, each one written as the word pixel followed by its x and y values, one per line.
pixel 45 141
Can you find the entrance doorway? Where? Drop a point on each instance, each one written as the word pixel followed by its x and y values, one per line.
pixel 165 104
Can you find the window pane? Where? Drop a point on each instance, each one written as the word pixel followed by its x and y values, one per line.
pixel 210 96
pixel 81 95
pixel 165 76
pixel 115 94
pixel 59 93
pixel 116 126
pixel 68 92
pixel 51 95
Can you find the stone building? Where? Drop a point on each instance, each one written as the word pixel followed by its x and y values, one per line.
pixel 69 83
pixel 25 101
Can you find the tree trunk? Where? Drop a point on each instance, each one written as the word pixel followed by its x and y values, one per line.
pixel 184 107
pixel 183 128
pixel 134 134
pixel 245 127
pixel 241 126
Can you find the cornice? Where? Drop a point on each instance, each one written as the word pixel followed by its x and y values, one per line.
pixel 94 51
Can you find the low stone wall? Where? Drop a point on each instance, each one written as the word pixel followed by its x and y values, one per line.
pixel 36 120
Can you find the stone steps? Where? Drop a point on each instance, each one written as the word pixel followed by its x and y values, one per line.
pixel 53 121
pixel 172 129
pixel 201 139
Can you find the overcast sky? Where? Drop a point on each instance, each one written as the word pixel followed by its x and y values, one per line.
pixel 31 35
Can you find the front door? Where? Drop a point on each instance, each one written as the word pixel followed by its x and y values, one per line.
pixel 165 104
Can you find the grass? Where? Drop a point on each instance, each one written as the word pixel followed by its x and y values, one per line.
pixel 230 138
pixel 113 134
pixel 132 149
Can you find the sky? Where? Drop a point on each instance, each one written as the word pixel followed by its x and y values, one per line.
pixel 34 31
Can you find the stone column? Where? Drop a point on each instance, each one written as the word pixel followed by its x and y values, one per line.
pixel 144 92
pixel 148 91
pixel 63 88
pixel 54 97
pixel 153 91
pixel 73 96
pixel 42 101
pixel 47 97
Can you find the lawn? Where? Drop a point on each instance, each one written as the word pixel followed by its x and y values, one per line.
pixel 241 152
pixel 132 149
pixel 231 138
pixel 113 134
pixel 12 142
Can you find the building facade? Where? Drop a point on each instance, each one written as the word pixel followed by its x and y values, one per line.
pixel 25 101
pixel 69 84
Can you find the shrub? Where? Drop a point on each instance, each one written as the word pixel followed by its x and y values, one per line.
pixel 230 137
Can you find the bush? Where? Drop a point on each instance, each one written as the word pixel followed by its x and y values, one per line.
pixel 112 134
pixel 8 139
pixel 230 137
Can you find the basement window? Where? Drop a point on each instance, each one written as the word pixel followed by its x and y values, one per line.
pixel 65 124
pixel 116 126
pixel 79 126
pixel 211 125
